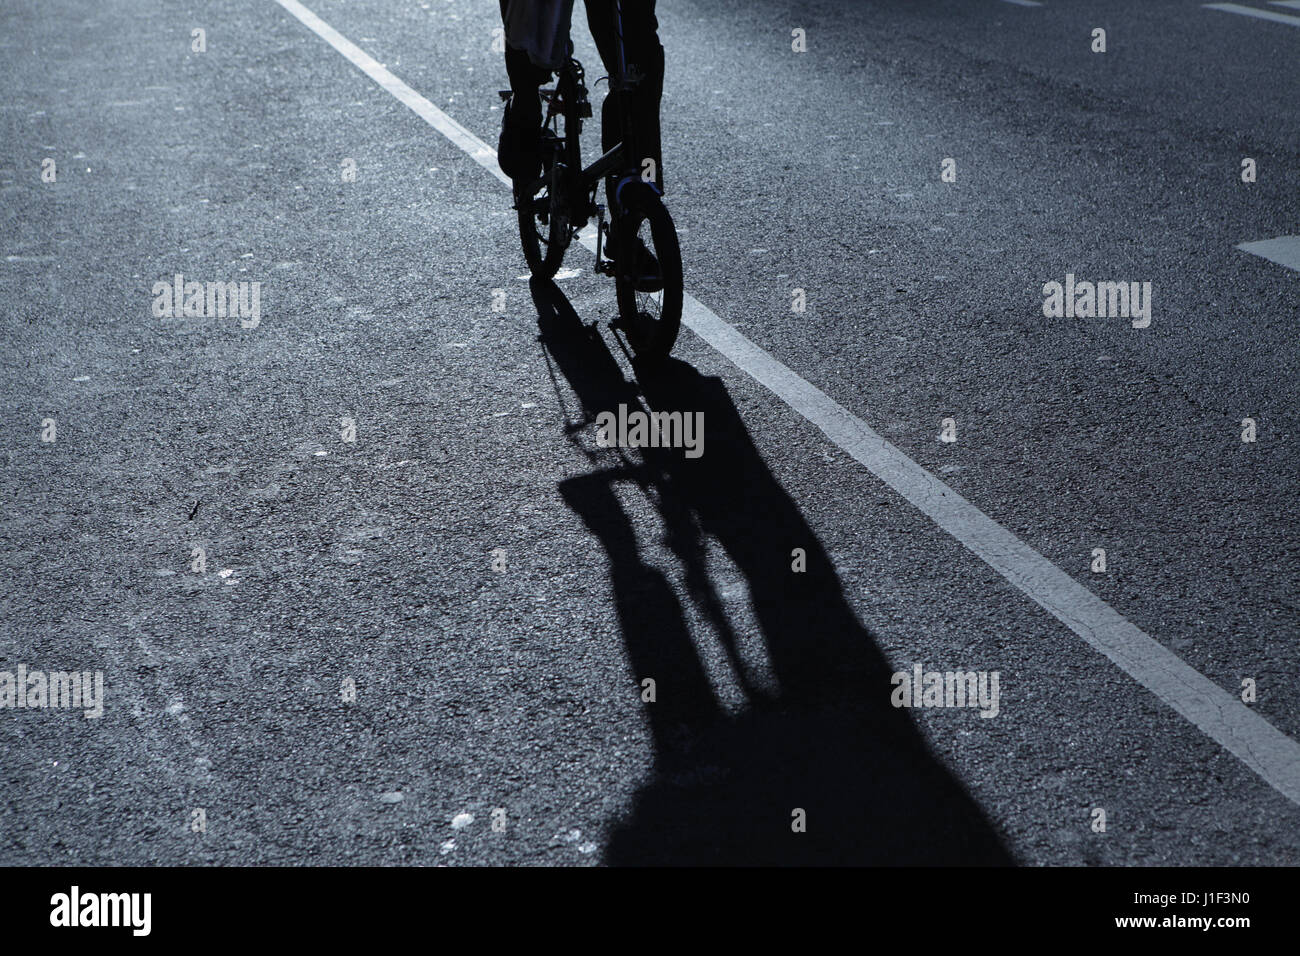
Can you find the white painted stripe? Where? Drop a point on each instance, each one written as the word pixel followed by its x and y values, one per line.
pixel 1284 250
pixel 474 147
pixel 1253 12
pixel 1291 4
pixel 1224 718
pixel 1024 3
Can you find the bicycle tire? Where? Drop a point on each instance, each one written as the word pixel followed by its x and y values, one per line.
pixel 651 334
pixel 543 254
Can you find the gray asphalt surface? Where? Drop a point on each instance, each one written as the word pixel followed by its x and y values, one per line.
pixel 371 561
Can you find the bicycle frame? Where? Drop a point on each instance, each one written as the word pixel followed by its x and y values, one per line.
pixel 613 161
pixel 553 208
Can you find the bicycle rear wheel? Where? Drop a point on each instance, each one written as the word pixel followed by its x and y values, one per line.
pixel 649 317
pixel 544 225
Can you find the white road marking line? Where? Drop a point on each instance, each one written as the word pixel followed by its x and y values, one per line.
pixel 1292 4
pixel 1024 3
pixel 1267 751
pixel 474 147
pixel 1253 12
pixel 1284 250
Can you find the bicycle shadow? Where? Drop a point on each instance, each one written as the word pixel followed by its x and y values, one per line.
pixel 725 787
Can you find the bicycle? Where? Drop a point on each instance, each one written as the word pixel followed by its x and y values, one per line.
pixel 556 206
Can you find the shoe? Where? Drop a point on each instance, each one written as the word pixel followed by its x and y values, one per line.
pixel 646 275
pixel 519 150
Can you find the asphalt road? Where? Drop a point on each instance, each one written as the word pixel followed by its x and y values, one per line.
pixel 512 682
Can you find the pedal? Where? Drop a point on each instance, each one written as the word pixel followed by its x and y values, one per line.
pixel 505 95
pixel 603 266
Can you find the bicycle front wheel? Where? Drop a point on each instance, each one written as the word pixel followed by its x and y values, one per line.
pixel 649 296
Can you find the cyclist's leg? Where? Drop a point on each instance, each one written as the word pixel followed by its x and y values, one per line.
pixel 519 149
pixel 645 56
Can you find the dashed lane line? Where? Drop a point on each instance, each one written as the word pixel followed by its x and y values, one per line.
pixel 1254 12
pixel 1284 250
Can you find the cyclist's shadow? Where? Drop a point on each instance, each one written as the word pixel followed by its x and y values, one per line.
pixel 829 743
